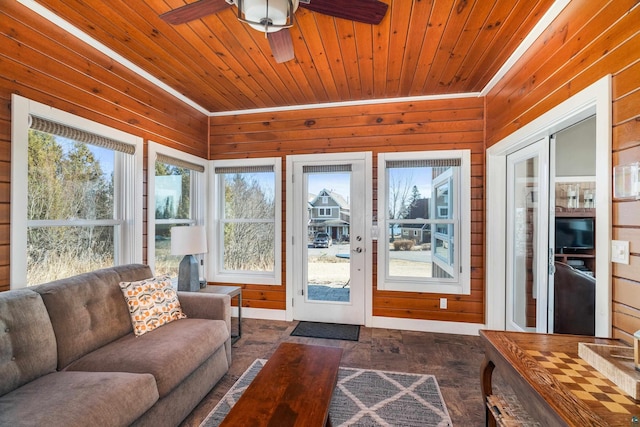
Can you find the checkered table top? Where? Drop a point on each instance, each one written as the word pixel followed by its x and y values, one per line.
pixel 586 382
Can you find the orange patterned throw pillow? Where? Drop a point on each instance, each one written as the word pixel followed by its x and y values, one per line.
pixel 152 303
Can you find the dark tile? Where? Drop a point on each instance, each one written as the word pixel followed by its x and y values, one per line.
pixel 453 359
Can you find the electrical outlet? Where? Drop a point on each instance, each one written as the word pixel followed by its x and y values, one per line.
pixel 443 303
pixel 620 251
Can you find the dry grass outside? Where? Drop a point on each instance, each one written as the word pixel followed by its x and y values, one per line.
pixel 333 271
pixel 328 270
pixel 60 267
pixel 399 267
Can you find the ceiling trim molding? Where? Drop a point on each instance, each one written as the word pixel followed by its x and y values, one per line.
pixel 347 103
pixel 544 22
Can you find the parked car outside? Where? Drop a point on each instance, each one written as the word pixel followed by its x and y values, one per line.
pixel 322 240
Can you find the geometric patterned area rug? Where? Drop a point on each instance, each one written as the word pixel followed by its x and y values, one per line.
pixel 364 397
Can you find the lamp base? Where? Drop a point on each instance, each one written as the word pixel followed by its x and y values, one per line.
pixel 188 275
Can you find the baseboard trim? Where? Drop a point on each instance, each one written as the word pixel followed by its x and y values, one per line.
pixel 260 313
pixel 378 322
pixel 426 325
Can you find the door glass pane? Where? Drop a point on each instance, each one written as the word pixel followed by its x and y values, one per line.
pixel 526 190
pixel 328 248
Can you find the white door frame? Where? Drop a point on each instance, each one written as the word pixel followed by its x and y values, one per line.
pixel 595 99
pixel 290 213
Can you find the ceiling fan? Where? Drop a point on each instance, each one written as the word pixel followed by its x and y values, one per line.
pixel 275 17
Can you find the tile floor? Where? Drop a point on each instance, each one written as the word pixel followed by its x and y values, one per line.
pixel 454 360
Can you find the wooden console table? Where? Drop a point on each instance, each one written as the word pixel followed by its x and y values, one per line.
pixel 546 373
pixel 294 388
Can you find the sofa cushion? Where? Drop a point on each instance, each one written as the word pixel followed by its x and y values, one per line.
pixel 152 303
pixel 169 353
pixel 27 341
pixel 88 311
pixel 79 399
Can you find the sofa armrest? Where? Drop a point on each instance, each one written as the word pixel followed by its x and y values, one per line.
pixel 206 306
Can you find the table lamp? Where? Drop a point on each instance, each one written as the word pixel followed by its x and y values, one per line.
pixel 187 241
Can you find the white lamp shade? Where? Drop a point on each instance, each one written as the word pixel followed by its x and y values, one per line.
pixel 256 10
pixel 187 240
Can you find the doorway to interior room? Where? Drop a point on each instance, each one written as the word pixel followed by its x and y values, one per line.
pixel 594 101
pixel 551 233
pixel 327 240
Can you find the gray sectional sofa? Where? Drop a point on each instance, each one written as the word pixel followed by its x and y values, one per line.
pixel 68 356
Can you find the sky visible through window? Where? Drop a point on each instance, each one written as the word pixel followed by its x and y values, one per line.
pixel 104 156
pixel 339 182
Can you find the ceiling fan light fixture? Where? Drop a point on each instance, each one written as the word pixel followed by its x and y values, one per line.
pixel 267 16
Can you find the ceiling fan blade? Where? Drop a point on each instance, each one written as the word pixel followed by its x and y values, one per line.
pixel 367 11
pixel 281 45
pixel 194 11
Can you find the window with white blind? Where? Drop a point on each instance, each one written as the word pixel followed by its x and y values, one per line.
pixel 176 198
pixel 247 221
pixel 424 221
pixel 76 195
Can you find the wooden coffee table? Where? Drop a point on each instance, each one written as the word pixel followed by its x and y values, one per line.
pixel 294 388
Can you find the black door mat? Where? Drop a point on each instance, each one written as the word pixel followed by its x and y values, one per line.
pixel 332 331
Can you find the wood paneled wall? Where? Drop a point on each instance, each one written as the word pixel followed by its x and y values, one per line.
pixel 586 42
pixel 44 63
pixel 416 126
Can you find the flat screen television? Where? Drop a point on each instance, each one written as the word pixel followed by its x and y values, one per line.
pixel 574 233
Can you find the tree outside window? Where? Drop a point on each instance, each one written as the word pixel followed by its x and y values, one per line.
pixel 247 221
pixel 172 208
pixel 70 208
pixel 423 208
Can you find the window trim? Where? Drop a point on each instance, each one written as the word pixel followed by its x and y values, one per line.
pixel 198 203
pixel 459 285
pixel 129 246
pixel 215 261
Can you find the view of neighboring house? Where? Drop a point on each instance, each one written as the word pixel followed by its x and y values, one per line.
pixel 329 213
pixel 419 233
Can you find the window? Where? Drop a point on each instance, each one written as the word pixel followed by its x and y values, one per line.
pixel 247 221
pixel 424 219
pixel 76 195
pixel 324 212
pixel 178 183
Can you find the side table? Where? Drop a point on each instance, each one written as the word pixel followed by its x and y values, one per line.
pixel 232 291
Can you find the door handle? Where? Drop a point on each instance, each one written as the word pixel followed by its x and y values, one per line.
pixel 357 250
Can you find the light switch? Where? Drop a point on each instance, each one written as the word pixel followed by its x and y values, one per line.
pixel 620 251
pixel 374 232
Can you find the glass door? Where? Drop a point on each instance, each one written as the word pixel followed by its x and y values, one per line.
pixel 528 256
pixel 329 218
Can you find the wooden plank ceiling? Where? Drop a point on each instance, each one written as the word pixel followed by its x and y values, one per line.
pixel 421 47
